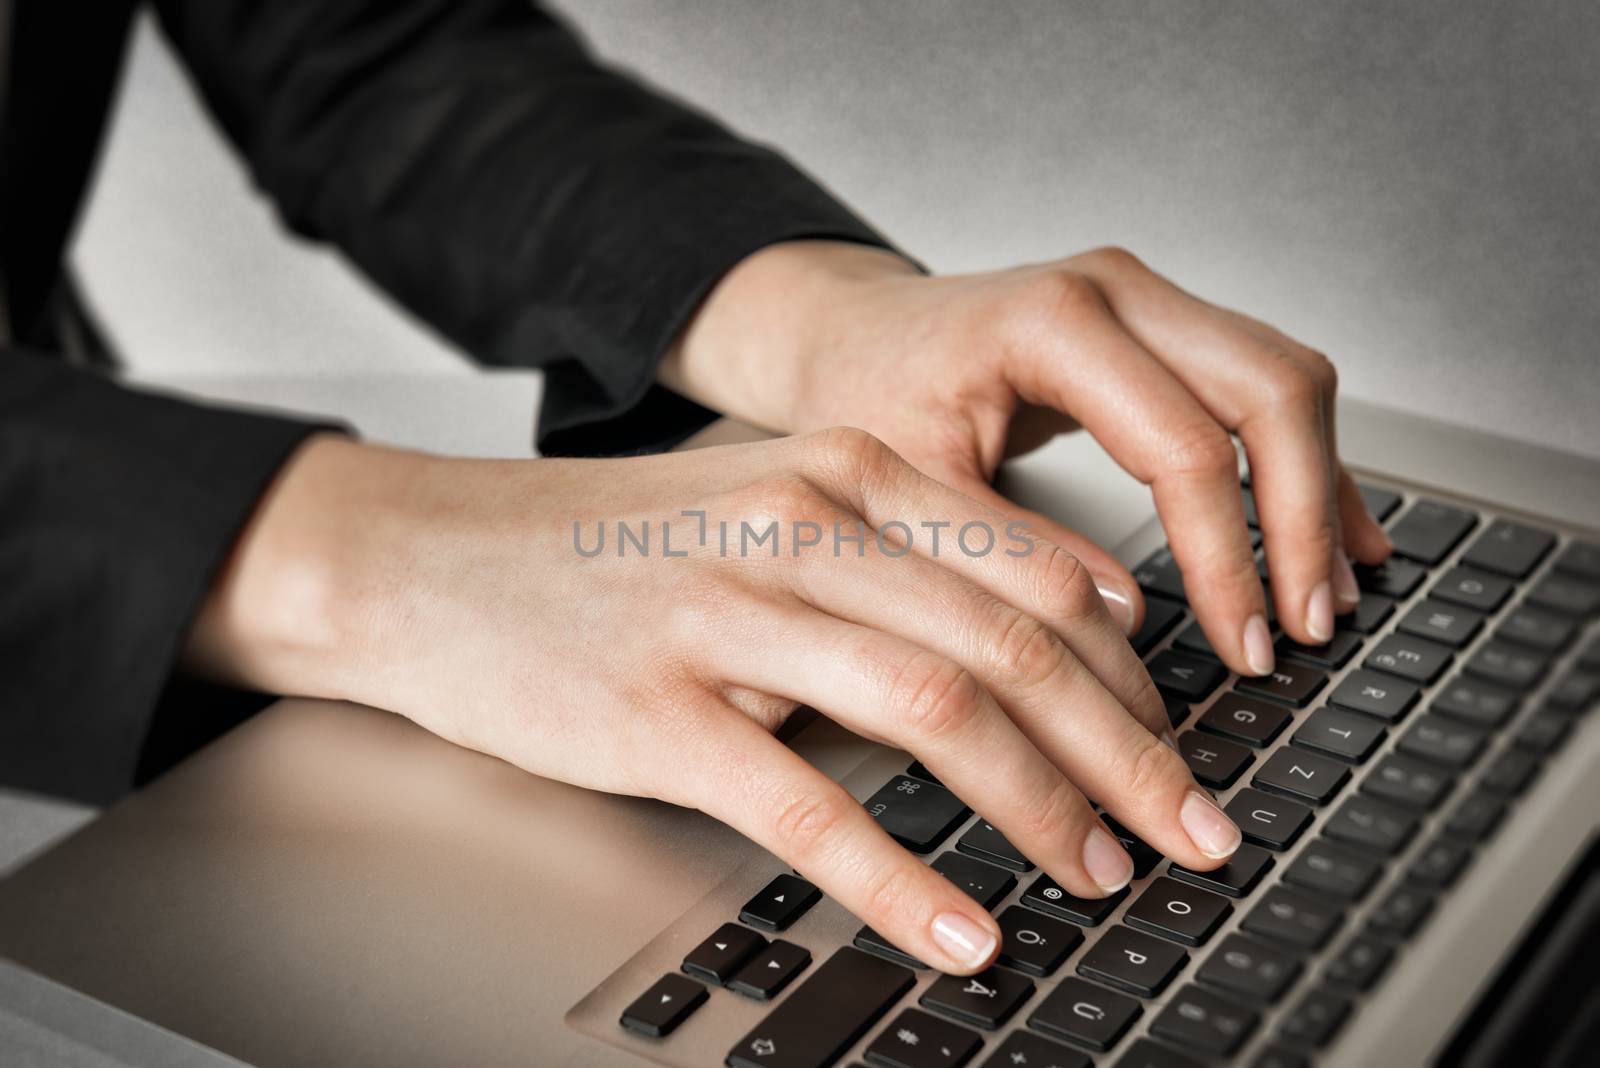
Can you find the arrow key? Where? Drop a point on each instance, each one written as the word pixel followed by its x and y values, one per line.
pixel 780 903
pixel 986 1000
pixel 717 958
pixel 771 971
pixel 664 1006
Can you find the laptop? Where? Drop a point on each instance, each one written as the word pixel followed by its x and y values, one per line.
pixel 329 884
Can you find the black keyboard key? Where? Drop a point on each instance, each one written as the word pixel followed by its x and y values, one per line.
pixel 1507 666
pixel 1510 772
pixel 986 843
pixel 1589 655
pixel 1159 575
pixel 1147 1054
pixel 1537 629
pixel 984 883
pixel 1581 559
pixel 1330 657
pixel 1159 617
pixel 914 1039
pixel 1394 578
pixel 1022 1049
pixel 1346 735
pixel 1372 826
pixel 1089 1015
pixel 917 814
pixel 1280 1057
pixel 1266 820
pixel 1252 969
pixel 1509 548
pixel 1143 856
pixel 1236 878
pixel 1048 897
pixel 1413 659
pixel 1400 912
pixel 1429 530
pixel 1442 622
pixel 1316 1018
pixel 1214 762
pixel 1440 863
pixel 1244 719
pixel 668 1002
pixel 1380 502
pixel 919 771
pixel 1199 1020
pixel 1033 943
pixel 1370 613
pixel 1566 595
pixel 718 957
pixel 1133 961
pixel 985 1000
pixel 1476 816
pixel 1574 692
pixel 1375 694
pixel 1192 639
pixel 1177 709
pixel 1333 870
pixel 1477 590
pixel 1302 776
pixel 1544 731
pixel 1294 919
pixel 1290 682
pixel 1408 783
pixel 1252 517
pixel 1359 963
pixel 873 942
pixel 1478 703
pixel 824 1015
pixel 1187 677
pixel 1177 911
pixel 769 972
pixel 781 902
pixel 1442 741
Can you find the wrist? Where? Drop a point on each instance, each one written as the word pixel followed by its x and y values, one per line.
pixel 301 603
pixel 751 349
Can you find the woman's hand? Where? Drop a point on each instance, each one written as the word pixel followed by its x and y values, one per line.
pixel 467 595
pixel 956 373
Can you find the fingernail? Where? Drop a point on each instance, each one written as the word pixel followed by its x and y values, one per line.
pixel 1212 832
pixel 1258 645
pixel 963 940
pixel 1107 863
pixel 1345 590
pixel 1121 606
pixel 1170 740
pixel 1319 612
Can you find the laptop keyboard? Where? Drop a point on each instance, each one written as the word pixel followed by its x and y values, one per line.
pixel 1363 773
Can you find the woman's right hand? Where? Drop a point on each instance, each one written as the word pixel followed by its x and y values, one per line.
pixel 455 593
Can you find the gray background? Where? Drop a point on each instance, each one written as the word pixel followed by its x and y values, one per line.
pixel 1411 188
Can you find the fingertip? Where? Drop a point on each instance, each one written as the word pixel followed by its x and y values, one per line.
pixel 1124 604
pixel 968 944
pixel 1208 827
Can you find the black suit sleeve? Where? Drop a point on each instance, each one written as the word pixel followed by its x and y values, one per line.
pixel 117 509
pixel 536 207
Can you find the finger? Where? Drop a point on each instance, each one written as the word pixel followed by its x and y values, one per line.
pixel 1115 584
pixel 892 690
pixel 1364 537
pixel 1079 359
pixel 1036 578
pixel 1279 397
pixel 774 797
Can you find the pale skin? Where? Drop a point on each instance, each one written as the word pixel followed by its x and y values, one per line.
pixel 449 591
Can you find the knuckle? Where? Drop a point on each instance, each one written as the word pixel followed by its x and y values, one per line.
pixel 788 497
pixel 890 893
pixel 1115 258
pixel 1057 815
pixel 1291 384
pixel 806 822
pixel 1026 651
pixel 1321 369
pixel 934 697
pixel 1059 295
pixel 1151 767
pixel 851 454
pixel 1205 449
pixel 1064 586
